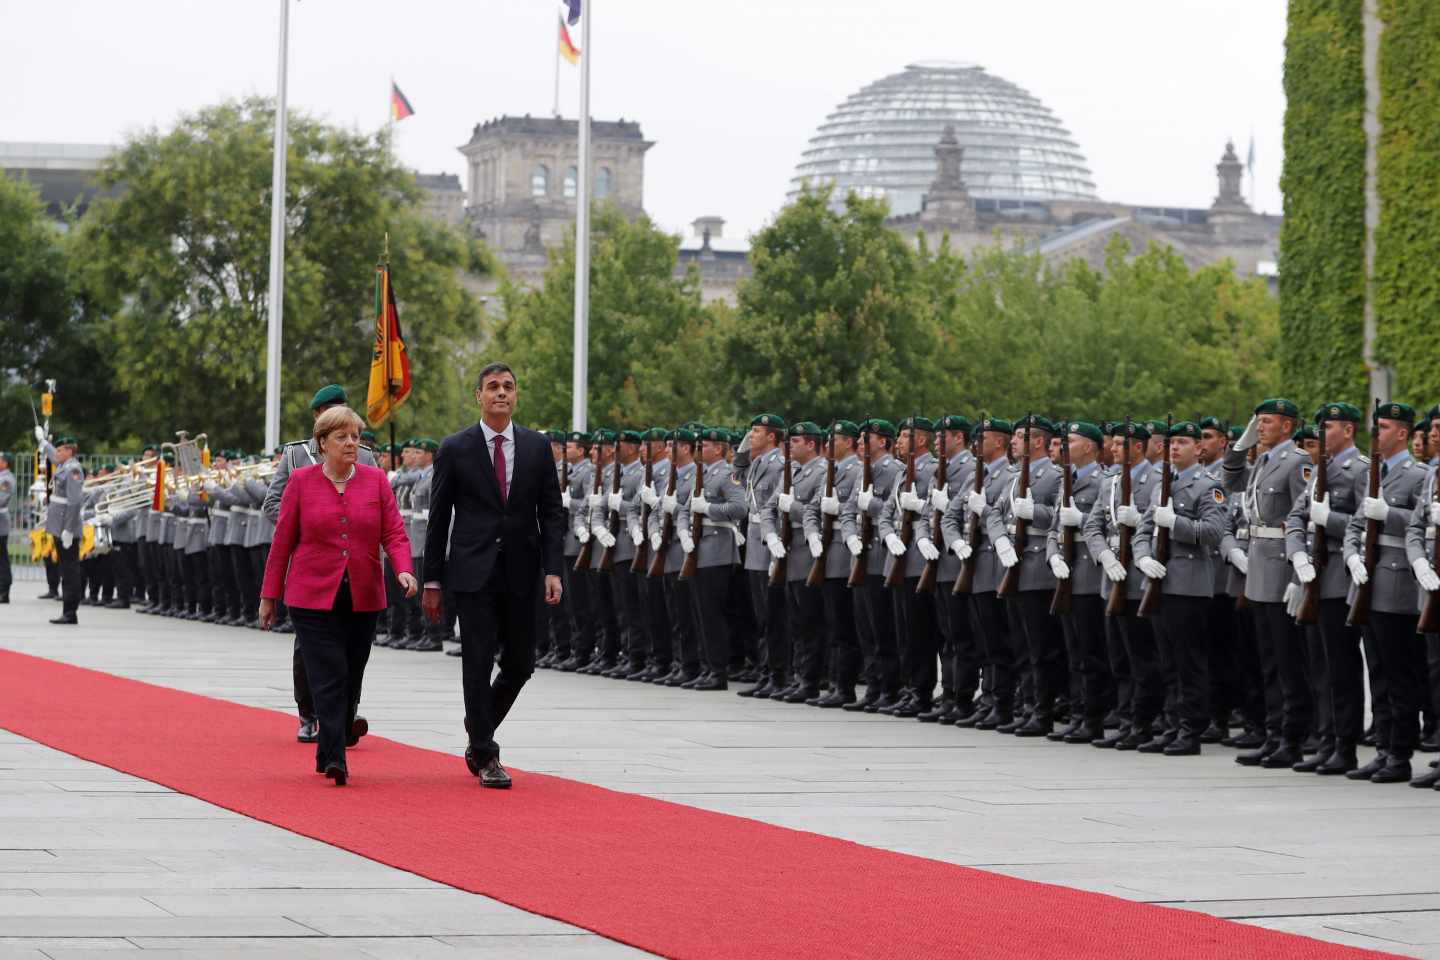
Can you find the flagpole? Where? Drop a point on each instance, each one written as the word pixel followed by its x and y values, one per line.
pixel 581 375
pixel 277 245
pixel 557 78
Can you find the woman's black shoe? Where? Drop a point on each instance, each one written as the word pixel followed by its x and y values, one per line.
pixel 336 772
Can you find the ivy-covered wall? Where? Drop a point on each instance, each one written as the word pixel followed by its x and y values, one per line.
pixel 1322 241
pixel 1406 286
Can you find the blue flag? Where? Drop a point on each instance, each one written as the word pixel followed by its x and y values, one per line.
pixel 572 17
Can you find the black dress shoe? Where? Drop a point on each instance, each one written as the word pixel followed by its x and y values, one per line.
pixel 1015 723
pixel 472 763
pixel 751 691
pixel 1245 740
pixel 1214 734
pixel 1035 727
pixel 943 707
pixel 1111 741
pixel 358 728
pixel 337 772
pixel 1156 744
pixel 638 674
pixel 780 693
pixel 680 679
pixel 455 652
pixel 286 627
pixel 994 719
pixel 493 776
pixel 856 706
pixel 713 682
pixel 1253 758
pixel 911 708
pixel 1134 740
pixel 1430 744
pixel 1376 764
pixel 1426 781
pixel 836 698
pixel 1341 761
pixel 207 618
pixel 1394 771
pixel 815 700
pixel 694 680
pixel 69 619
pixel 1183 747
pixel 885 703
pixel 309 731
pixel 801 694
pixel 568 666
pixel 49 595
pixel 1311 745
pixel 1286 757
pixel 1085 733
pixel 113 604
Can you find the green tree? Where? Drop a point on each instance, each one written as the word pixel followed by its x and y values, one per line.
pixel 178 259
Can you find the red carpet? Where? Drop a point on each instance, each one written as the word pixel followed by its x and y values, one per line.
pixel 666 878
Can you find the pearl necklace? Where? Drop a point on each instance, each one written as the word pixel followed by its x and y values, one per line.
pixel 337 479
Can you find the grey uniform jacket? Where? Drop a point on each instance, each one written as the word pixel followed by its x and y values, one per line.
pixel 67 496
pixel 1420 532
pixel 763 478
pixel 847 478
pixel 684 484
pixel 719 546
pixel 955 523
pixel 1102 528
pixel 7 500
pixel 807 485
pixel 959 481
pixel 124 525
pixel 1199 524
pixel 259 529
pixel 1220 553
pixel 1035 573
pixel 582 473
pixel 634 517
pixel 298 454
pixel 885 474
pixel 1393 587
pixel 1084 491
pixel 1347 475
pixel 632 477
pixel 892 518
pixel 219 517
pixel 197 525
pixel 236 501
pixel 1278 479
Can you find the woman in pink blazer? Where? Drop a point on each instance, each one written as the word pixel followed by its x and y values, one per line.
pixel 334 518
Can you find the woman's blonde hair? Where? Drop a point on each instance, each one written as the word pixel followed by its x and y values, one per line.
pixel 335 418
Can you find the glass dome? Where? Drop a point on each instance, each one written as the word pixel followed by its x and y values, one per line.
pixel 881 141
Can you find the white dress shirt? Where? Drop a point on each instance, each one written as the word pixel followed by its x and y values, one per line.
pixel 508 444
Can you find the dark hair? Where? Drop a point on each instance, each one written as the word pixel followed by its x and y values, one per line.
pixel 491 369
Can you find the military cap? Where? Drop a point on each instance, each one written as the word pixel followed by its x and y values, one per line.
pixel 955 421
pixel 631 436
pixel 846 428
pixel 329 394
pixel 1347 412
pixel 578 436
pixel 1035 422
pixel 1306 432
pixel 169 455
pixel 1433 413
pixel 683 435
pixel 1278 405
pixel 919 423
pixel 996 425
pixel 1236 432
pixel 1153 427
pixel 555 436
pixel 66 441
pixel 1212 423
pixel 1402 412
pixel 428 445
pixel 806 428
pixel 693 425
pixel 602 435
pixel 656 433
pixel 879 427
pixel 715 434
pixel 1185 428
pixel 1086 429
pixel 772 420
pixel 1138 430
pixel 367 435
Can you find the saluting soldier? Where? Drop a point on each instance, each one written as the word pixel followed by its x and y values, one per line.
pixel 839 607
pixel 960 657
pixel 62 518
pixel 679 599
pixel 576 592
pixel 654 617
pixel 762 465
pixel 805 608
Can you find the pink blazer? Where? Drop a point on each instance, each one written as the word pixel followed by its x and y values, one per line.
pixel 320 535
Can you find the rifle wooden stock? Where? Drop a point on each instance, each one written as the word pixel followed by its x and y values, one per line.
pixel 641 563
pixel 1011 581
pixel 1430 614
pixel 1154 589
pixel 667 523
pixel 937 537
pixel 697 524
pixel 861 562
pixel 1319 546
pixel 1119 592
pixel 1360 607
pixel 827 522
pixel 1061 600
pixel 896 576
pixel 612 517
pixel 777 564
pixel 582 562
pixel 965 583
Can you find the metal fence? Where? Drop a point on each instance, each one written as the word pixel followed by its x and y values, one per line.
pixel 24 514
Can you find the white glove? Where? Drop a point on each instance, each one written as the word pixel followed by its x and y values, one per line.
pixel 1165 515
pixel 1128 514
pixel 927 549
pixel 1251 436
pixel 816 547
pixel 1024 508
pixel 1304 569
pixel 1059 567
pixel 687 542
pixel 864 497
pixel 830 506
pixel 603 536
pixel 648 496
pixel 582 534
pixel 637 537
pixel 1292 598
pixel 1425 574
pixel 1435 514
pixel 1320 512
pixel 698 504
pixel 895 545
pixel 565 499
pixel 592 500
pixel 1071 517
pixel 615 501
pixel 1241 560
pixel 1151 567
pixel 962 549
pixel 855 545
pixel 910 502
pixel 211 486
pixel 1005 550
pixel 1358 574
pixel 940 498
pixel 66 538
pixel 776 548
pixel 785 501
pixel 975 503
pixel 39 435
pixel 668 503
pixel 655 541
pixel 1113 568
pixel 1375 508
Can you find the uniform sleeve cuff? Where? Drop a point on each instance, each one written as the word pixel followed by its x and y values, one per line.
pixel 432 584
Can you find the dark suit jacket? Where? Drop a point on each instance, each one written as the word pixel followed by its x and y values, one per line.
pixel 530 524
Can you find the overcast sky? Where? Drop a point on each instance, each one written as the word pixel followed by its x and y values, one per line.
pixel 730 92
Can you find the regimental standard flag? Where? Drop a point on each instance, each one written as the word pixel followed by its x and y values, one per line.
pixel 399 106
pixel 568 50
pixel 389 363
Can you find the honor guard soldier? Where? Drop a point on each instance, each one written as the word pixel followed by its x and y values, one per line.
pixel 654 617
pixel 7 498
pixel 679 600
pixel 602 596
pixel 917 625
pixel 804 610
pixel 1393 597
pixel 1420 551
pixel 634 648
pixel 762 464
pixel 959 652
pixel 1278 478
pixel 426 636
pixel 840 612
pixel 576 585
pixel 62 518
pixel 1194 517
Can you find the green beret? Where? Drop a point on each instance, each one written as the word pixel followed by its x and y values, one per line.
pixel 1153 427
pixel 657 433
pixel 1433 413
pixel 602 435
pixel 631 436
pixel 683 435
pixel 1402 412
pixel 846 428
pixel 1035 422
pixel 367 435
pixel 328 394
pixel 429 445
pixel 1212 423
pixel 66 441
pixel 555 436
pixel 1236 432
pixel 996 425
pixel 279 449
pixel 955 421
pixel 772 420
pixel 1086 429
pixel 715 434
pixel 579 436
pixel 169 455
pixel 1278 405
pixel 693 425
pixel 1347 412
pixel 1138 430
pixel 919 423
pixel 879 427
pixel 1185 428
pixel 1306 432
pixel 806 428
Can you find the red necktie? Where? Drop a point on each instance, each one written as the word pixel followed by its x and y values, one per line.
pixel 500 467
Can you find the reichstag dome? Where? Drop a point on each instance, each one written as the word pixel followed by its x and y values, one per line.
pixel 881 141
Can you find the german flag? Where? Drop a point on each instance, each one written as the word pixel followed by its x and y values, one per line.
pixel 568 50
pixel 389 363
pixel 399 106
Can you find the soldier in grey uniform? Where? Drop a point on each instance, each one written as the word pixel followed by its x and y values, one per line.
pixel 62 517
pixel 1195 517
pixel 1044 642
pixel 1346 475
pixel 625 590
pixel 1222 637
pixel 197 563
pixel 1258 690
pixel 720 507
pixel 403 620
pixel 222 585
pixel 761 465
pixel 7 497
pixel 1393 596
pixel 805 607
pixel 576 586
pixel 234 565
pixel 839 606
pixel 602 596
pixel 1420 551
pixel 679 601
pixel 1276 481
pixel 124 551
pixel 959 651
pixel 654 618
pixel 424 635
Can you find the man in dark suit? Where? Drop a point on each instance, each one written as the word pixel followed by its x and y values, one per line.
pixel 498 481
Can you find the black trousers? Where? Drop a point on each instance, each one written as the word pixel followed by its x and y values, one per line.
pixel 197 572
pixel 224 596
pixel 607 623
pixel 69 570
pixel 1119 663
pixel 491 619
pixel 771 627
pixel 576 587
pixel 994 629
pixel 744 627
pixel 628 610
pixel 711 588
pixel 680 604
pixel 1224 667
pixel 805 616
pixel 1432 698
pixel 1045 646
pixel 1283 642
pixel 1189 655
pixel 655 617
pixel 257 556
pixel 1147 681
pixel 52 570
pixel 336 647
pixel 1344 670
pixel 875 606
pixel 1318 673
pixel 1402 660
pixel 841 634
pixel 919 639
pixel 127 572
pixel 6 577
pixel 1086 650
pixel 962 643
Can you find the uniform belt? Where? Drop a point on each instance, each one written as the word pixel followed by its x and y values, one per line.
pixel 756 519
pixel 219 512
pixel 1267 533
pixel 1386 540
pixel 422 515
pixel 1243 533
pixel 1010 528
pixel 407 514
pixel 249 510
pixel 60 500
pixel 727 525
pixel 192 520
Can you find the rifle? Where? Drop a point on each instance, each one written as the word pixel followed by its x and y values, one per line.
pixel 827 522
pixel 1242 602
pixel 1319 544
pixel 965 583
pixel 860 564
pixel 1150 599
pixel 932 567
pixel 612 517
pixel 1430 615
pixel 667 523
pixel 1119 591
pixel 1360 608
pixel 582 562
pixel 697 523
pixel 1065 589
pixel 1011 581
pixel 777 564
pixel 896 577
pixel 640 564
